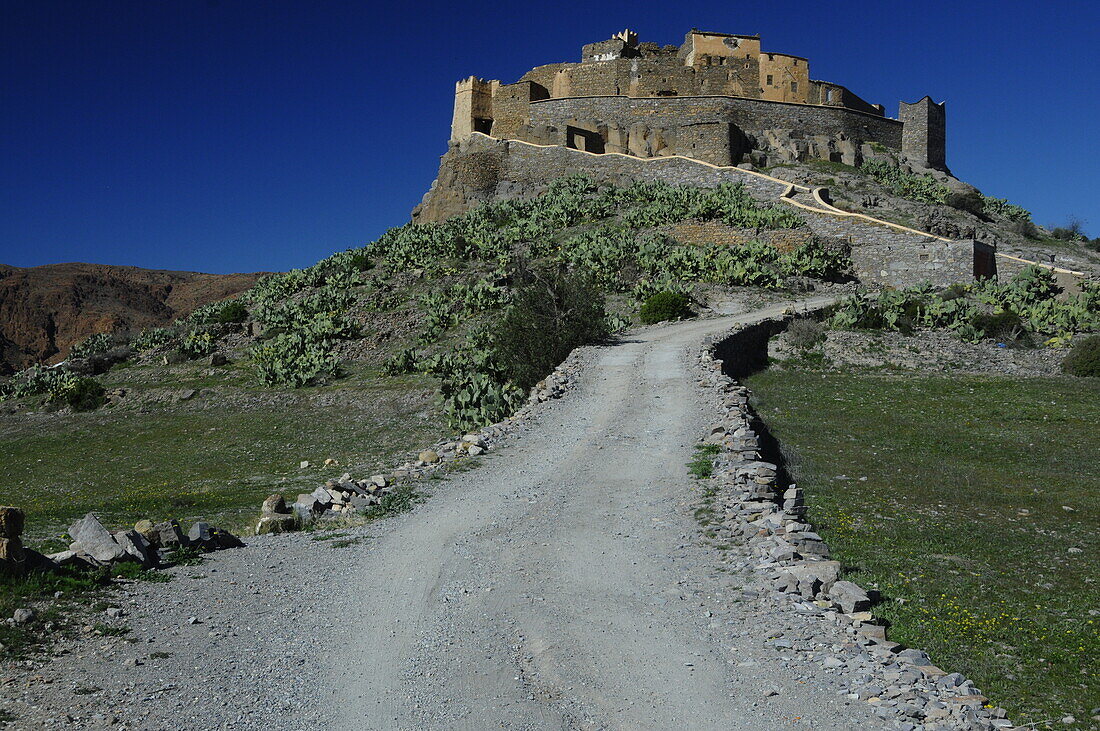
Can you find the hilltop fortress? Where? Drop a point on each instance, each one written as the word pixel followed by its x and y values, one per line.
pixel 717 98
pixel 716 109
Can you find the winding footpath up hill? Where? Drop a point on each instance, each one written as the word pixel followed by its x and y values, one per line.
pixel 562 584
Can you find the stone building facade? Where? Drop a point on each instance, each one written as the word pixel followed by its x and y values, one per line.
pixel 717 97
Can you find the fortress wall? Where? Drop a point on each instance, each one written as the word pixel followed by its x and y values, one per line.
pixel 600 78
pixel 545 75
pixel 737 77
pixel 749 115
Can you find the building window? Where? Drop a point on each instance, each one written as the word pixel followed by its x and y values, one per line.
pixel 770 80
pixel 828 95
pixel 794 86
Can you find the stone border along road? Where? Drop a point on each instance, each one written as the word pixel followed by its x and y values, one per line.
pixel 563 584
pixel 754 506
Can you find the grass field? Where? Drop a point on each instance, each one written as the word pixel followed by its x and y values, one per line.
pixel 972 504
pixel 215 457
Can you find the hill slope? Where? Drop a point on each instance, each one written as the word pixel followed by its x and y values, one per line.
pixel 45 310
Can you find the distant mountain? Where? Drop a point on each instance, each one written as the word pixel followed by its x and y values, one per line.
pixel 46 310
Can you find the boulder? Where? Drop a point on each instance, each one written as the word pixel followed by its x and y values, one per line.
pixel 136 545
pixel 11 522
pixel 849 597
pixel 13 559
pixel 146 528
pixel 225 539
pixel 201 534
pixel 306 508
pixel 276 523
pixel 810 578
pixel 322 497
pixel 378 480
pixel 274 505
pixel 22 616
pixel 90 536
pixel 168 535
pixel 362 503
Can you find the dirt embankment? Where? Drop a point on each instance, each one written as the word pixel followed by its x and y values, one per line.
pixel 45 310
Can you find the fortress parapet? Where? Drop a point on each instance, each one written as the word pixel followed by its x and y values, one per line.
pixel 716 97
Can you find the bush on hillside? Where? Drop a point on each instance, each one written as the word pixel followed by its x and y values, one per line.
pixel 93 345
pixel 1001 208
pixel 1025 228
pixel 84 394
pixel 551 314
pixel 805 333
pixel 1004 326
pixel 148 340
pixel 219 313
pixel 665 306
pixel 1084 358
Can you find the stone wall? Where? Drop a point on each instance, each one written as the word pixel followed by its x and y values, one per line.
pixel 904 263
pixel 756 124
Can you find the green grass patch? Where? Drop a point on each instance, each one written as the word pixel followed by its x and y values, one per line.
pixel 977 518
pixel 217 463
pixel 79 591
pixel 702 466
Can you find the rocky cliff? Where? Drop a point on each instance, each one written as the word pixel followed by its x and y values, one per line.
pixel 45 310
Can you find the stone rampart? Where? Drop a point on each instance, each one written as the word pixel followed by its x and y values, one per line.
pixel 673 124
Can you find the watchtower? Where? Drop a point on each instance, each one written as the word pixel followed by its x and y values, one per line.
pixel 924 133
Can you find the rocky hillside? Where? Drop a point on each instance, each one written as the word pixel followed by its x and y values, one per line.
pixel 45 310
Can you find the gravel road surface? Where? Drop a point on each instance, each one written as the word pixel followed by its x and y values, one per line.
pixel 561 585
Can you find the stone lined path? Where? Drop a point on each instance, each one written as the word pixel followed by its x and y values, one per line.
pixel 562 586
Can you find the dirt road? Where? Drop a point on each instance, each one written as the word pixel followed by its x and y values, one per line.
pixel 561 586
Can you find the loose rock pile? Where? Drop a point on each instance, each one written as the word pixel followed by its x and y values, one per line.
pixel 146 543
pixel 753 507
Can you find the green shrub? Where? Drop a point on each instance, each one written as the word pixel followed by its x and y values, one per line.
pixel 152 339
pixel 550 315
pixel 1002 325
pixel 293 359
pixel 665 306
pixel 472 399
pixel 920 188
pixel 404 361
pixel 231 312
pixel 805 333
pixel 1001 208
pixel 219 313
pixel 197 343
pixel 1084 358
pixel 85 394
pixel 1025 228
pixel 93 345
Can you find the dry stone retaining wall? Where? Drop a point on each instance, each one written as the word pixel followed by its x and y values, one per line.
pixel 757 506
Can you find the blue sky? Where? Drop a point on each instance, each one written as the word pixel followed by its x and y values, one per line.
pixel 225 135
